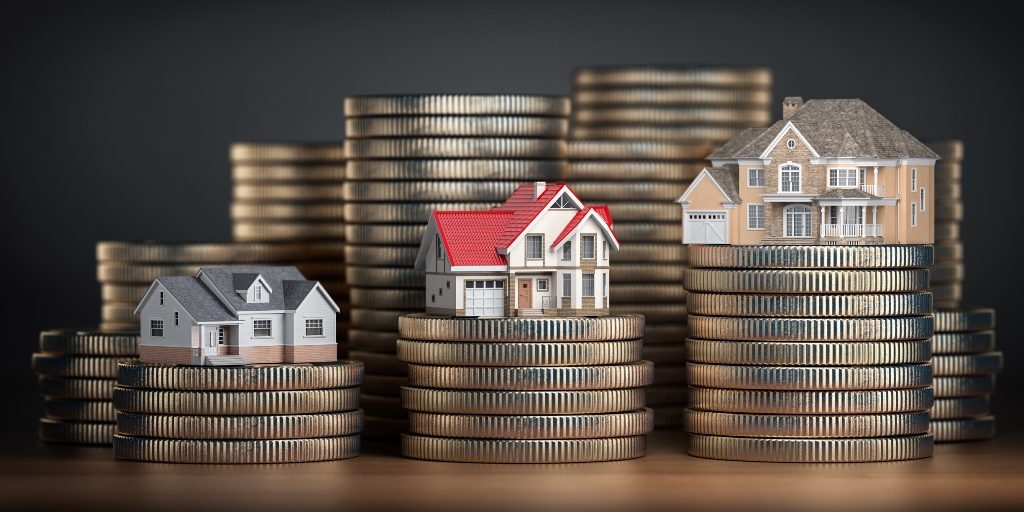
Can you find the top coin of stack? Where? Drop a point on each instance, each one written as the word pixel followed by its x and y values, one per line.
pixel 125 270
pixel 947 275
pixel 291 192
pixel 408 156
pixel 665 103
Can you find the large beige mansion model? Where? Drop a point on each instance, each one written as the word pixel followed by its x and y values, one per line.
pixel 830 172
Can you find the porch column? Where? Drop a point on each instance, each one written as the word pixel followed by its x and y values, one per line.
pixel 842 221
pixel 874 218
pixel 821 222
pixel 864 220
pixel 876 181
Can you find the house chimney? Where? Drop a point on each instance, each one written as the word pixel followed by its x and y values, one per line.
pixel 790 105
pixel 538 188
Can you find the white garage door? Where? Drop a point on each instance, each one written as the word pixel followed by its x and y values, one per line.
pixel 705 228
pixel 485 298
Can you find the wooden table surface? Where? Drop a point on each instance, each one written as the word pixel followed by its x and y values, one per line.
pixel 974 476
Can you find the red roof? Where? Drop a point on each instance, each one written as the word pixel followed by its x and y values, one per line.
pixel 473 238
pixel 600 210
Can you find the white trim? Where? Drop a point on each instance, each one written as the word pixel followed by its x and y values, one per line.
pixel 428 236
pixel 609 234
pixel 477 268
pixel 563 188
pixel 323 292
pixel 787 197
pixel 696 181
pixel 785 129
pixel 764 182
pixel 857 202
pixel 764 217
pixel 800 180
pixel 918 161
pixel 810 221
pixel 223 322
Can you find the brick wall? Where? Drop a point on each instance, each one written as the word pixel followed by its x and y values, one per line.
pixel 311 353
pixel 165 355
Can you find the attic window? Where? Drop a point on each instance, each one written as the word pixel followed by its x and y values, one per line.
pixel 790 143
pixel 162 293
pixel 563 202
pixel 259 292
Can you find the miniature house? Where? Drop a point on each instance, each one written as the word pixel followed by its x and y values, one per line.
pixel 237 315
pixel 542 252
pixel 831 172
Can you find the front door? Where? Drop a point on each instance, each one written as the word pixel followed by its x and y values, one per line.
pixel 525 293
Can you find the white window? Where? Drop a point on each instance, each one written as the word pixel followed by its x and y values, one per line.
pixel 314 327
pixel 261 328
pixel 534 247
pixel 588 285
pixel 789 178
pixel 156 328
pixel 797 220
pixel 161 298
pixel 606 286
pixel 563 201
pixel 755 178
pixel 221 335
pixel 923 203
pixel 842 178
pixel 542 285
pixel 755 216
pixel 913 214
pixel 259 293
pixel 913 180
pixel 175 318
pixel 437 247
pixel 566 285
pixel 604 249
pixel 790 143
pixel 567 251
pixel 589 247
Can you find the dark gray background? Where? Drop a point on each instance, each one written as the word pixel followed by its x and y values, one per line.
pixel 117 116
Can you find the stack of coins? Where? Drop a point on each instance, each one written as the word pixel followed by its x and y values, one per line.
pixel 525 390
pixel 809 353
pixel 291 192
pixel 76 379
pixel 639 181
pixel 411 155
pixel 238 414
pixel 966 364
pixel 126 270
pixel 707 105
pixel 947 275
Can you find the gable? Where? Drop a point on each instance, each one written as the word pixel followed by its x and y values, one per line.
pixel 704 189
pixel 789 132
pixel 315 296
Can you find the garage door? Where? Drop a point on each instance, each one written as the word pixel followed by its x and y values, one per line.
pixel 705 228
pixel 485 298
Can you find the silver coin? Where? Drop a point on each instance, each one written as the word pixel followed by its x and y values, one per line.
pixel 876 401
pixel 810 329
pixel 523 378
pixel 561 426
pixel 875 449
pixel 809 378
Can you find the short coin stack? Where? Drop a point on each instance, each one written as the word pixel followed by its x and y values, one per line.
pixel 525 390
pixel 238 414
pixel 291 192
pixel 76 378
pixel 408 156
pixel 809 353
pixel 966 364
pixel 125 270
pixel 639 181
pixel 947 276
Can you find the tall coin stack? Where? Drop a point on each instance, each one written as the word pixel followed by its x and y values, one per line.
pixel 809 353
pixel 411 155
pixel 947 276
pixel 238 414
pixel 640 136
pixel 126 270
pixel 525 390
pixel 76 379
pixel 966 364
pixel 291 193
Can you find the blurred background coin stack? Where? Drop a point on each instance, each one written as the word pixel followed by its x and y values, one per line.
pixel 408 156
pixel 965 363
pixel 125 270
pixel 76 379
pixel 640 136
pixel 238 414
pixel 809 353
pixel 525 390
pixel 291 193
pixel 947 276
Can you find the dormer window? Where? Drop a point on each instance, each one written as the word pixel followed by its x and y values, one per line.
pixel 563 202
pixel 259 293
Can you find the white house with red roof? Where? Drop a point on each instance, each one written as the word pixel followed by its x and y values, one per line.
pixel 542 252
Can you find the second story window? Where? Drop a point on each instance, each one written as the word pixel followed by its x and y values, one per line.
pixel 156 328
pixel 437 247
pixel 923 197
pixel 566 285
pixel 913 180
pixel 589 247
pixel 161 298
pixel 261 328
pixel 534 247
pixel 175 318
pixel 567 251
pixel 842 178
pixel 789 178
pixel 755 178
pixel 259 293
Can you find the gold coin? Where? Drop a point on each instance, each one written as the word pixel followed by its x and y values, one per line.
pixel 403 213
pixel 829 353
pixel 76 389
pixel 523 451
pixel 947 271
pixel 75 342
pixel 973 385
pixel 79 410
pixel 632 232
pixel 754 401
pixel 679 173
pixel 231 403
pixel 377 235
pixel 654 115
pixel 520 353
pixel 114 292
pixel 669 76
pixel 646 273
pixel 562 426
pixel 947 192
pixel 456 126
pixel 457 104
pixel 947 365
pixel 287 212
pixel 962 407
pixel 384 277
pixel 56 365
pixel 270 377
pixel 854 257
pixel 288 231
pixel 286 152
pixel 806 426
pixel 967 429
pixel 685 133
pixel 229 252
pixel 455 147
pixel 948 172
pixel 809 378
pixel 471 401
pixel 653 313
pixel 964 319
pixel 946 212
pixel 296 426
pixel 536 329
pixel 643 293
pixel 639 151
pixel 650 253
pixel 383 298
pixel 753 449
pixel 75 432
pixel 142 274
pixel 645 212
pixel 949 250
pixel 288 173
pixel 963 342
pixel 118 312
pixel 943 231
pixel 539 378
pixel 806 281
pixel 771 305
pixel 638 191
pixel 222 451
pixel 521 170
pixel 637 96
pixel 951 149
pixel 288 192
pixel 119 327
pixel 393 191
pixel 810 329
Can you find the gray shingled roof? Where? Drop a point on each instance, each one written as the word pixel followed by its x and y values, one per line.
pixel 197 299
pixel 834 128
pixel 242 280
pixel 727 178
pixel 224 279
pixel 295 292
pixel 846 193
